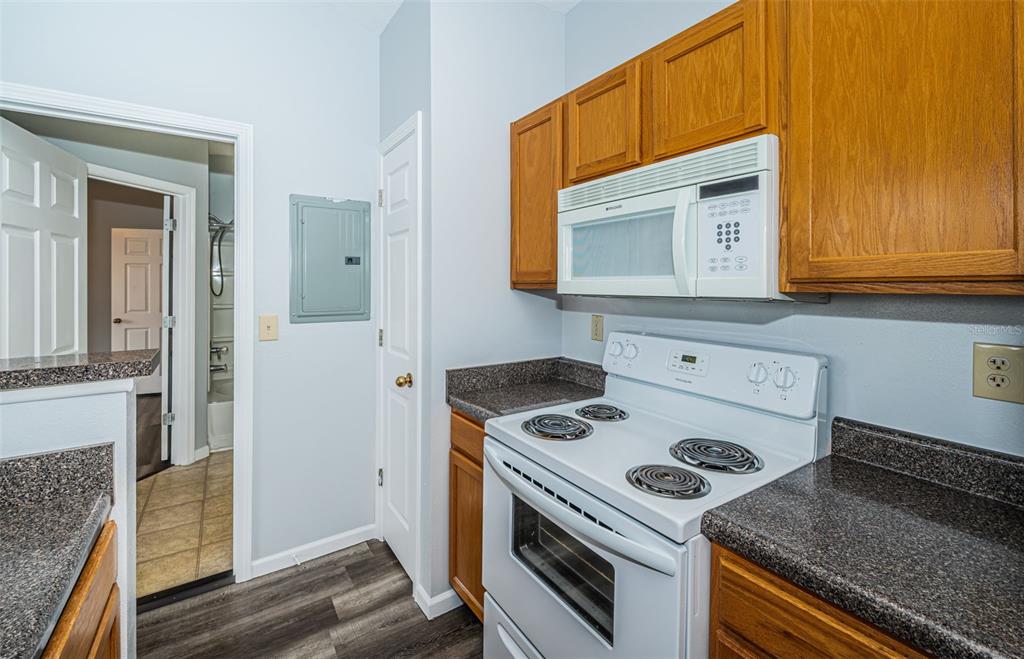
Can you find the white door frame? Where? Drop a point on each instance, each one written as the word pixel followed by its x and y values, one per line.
pixel 66 105
pixel 412 126
pixel 183 369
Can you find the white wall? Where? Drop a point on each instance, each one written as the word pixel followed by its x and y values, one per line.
pixel 900 361
pixel 490 64
pixel 305 75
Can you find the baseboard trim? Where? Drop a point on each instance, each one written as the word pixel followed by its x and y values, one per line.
pixel 311 550
pixel 437 605
pixel 201 453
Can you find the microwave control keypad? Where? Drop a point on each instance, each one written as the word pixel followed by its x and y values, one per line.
pixel 729 231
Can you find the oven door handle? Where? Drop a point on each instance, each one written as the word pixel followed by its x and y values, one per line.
pixel 608 540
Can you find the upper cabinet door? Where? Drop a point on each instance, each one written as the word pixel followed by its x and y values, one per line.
pixel 905 133
pixel 709 83
pixel 604 124
pixel 536 178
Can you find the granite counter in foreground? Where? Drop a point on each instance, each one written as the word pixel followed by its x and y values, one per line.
pixel 486 392
pixel 25 372
pixel 53 506
pixel 939 568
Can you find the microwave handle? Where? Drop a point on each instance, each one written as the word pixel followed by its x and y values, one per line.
pixel 609 540
pixel 684 241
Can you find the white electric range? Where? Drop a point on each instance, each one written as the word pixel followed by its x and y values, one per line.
pixel 592 510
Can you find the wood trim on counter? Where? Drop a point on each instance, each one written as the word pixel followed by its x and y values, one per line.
pixel 77 627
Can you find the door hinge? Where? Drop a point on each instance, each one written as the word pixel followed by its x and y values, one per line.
pixel 380 197
pixel 380 338
pixel 170 322
pixel 170 224
pixel 167 418
pixel 380 477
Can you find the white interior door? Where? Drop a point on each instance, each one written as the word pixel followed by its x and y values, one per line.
pixel 136 285
pixel 400 399
pixel 42 247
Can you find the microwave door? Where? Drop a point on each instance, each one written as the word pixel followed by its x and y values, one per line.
pixel 684 242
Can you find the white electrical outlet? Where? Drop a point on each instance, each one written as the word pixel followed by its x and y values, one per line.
pixel 597 327
pixel 999 372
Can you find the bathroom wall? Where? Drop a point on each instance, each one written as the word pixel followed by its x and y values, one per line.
pixel 901 361
pixel 222 204
pixel 112 206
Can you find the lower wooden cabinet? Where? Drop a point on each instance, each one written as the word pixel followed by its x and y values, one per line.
pixel 756 614
pixel 466 513
pixel 89 627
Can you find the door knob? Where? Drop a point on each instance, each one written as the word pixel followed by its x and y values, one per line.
pixel 404 380
pixel 118 321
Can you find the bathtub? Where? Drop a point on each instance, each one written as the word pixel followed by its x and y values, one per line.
pixel 220 416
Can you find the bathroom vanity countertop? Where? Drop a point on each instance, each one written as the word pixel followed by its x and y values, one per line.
pixel 933 565
pixel 26 372
pixel 53 506
pixel 486 392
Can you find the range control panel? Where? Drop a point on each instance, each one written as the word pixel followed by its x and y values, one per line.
pixel 776 381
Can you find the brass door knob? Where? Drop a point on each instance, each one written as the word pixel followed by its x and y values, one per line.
pixel 118 321
pixel 404 380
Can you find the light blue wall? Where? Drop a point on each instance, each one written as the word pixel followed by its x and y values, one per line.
pixel 900 361
pixel 306 76
pixel 405 66
pixel 600 34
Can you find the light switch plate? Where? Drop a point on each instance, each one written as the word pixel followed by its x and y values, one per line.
pixel 268 327
pixel 999 372
pixel 597 327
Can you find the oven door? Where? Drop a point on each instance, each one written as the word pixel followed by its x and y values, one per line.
pixel 645 245
pixel 577 577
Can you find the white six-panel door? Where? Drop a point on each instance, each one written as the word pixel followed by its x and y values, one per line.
pixel 136 293
pixel 400 323
pixel 42 247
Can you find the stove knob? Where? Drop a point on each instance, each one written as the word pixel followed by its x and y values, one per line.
pixel 631 351
pixel 757 373
pixel 785 377
pixel 615 349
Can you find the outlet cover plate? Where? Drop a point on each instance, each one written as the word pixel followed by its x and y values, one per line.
pixel 597 327
pixel 999 372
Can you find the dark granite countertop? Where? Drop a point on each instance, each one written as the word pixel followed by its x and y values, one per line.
pixel 25 372
pixel 939 568
pixel 485 392
pixel 53 506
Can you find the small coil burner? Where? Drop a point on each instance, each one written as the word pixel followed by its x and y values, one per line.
pixel 602 412
pixel 716 455
pixel 558 427
pixel 668 482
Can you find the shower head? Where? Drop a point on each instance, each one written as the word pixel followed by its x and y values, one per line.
pixel 217 224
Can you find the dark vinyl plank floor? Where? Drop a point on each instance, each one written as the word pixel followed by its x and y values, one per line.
pixel 354 603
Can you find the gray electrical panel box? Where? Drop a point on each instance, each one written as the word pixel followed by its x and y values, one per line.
pixel 330 264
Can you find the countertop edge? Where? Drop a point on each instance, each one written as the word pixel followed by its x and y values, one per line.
pixel 98 518
pixel 15 379
pixel 839 591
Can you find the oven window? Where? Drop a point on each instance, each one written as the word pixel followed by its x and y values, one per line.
pixel 580 577
pixel 636 245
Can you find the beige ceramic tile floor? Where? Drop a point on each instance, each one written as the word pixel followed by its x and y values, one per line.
pixel 183 524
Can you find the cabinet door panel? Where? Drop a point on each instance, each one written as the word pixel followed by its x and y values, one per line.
pixel 604 123
pixel 905 136
pixel 709 82
pixel 465 535
pixel 536 177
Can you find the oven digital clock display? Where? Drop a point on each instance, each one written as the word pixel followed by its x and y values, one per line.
pixel 687 363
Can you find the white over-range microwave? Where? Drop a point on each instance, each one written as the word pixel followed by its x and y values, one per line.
pixel 700 225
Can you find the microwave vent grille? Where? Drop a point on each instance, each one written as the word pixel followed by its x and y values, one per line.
pixel 720 162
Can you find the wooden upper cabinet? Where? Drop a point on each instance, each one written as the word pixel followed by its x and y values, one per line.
pixel 536 178
pixel 709 83
pixel 905 148
pixel 604 124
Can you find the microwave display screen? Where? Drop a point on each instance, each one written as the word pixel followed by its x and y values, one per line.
pixel 745 184
pixel 689 359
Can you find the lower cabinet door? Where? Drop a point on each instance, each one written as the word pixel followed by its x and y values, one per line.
pixel 107 644
pixel 466 523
